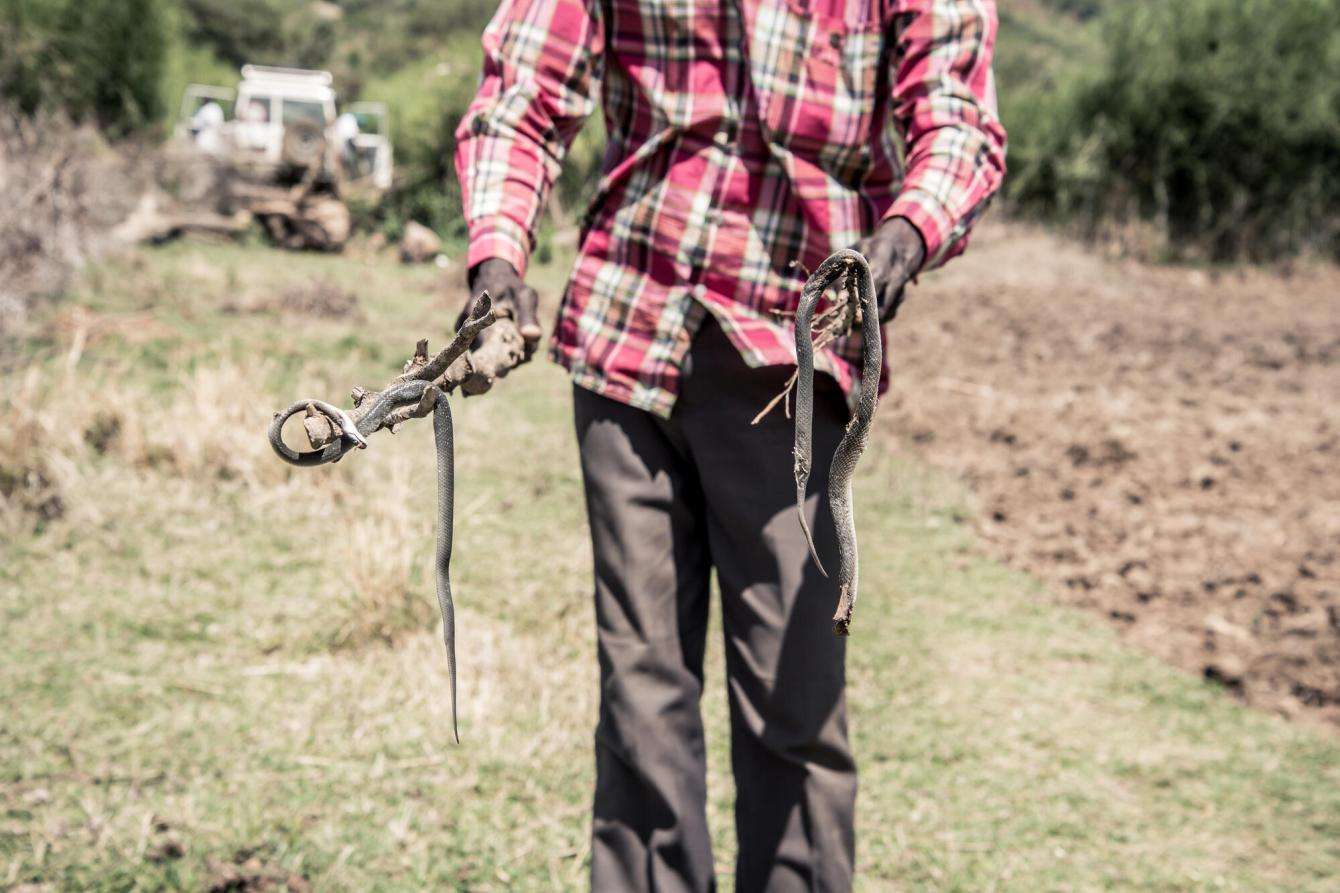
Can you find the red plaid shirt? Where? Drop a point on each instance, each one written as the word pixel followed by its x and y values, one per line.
pixel 743 135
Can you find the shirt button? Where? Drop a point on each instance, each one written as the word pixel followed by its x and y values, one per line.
pixel 722 138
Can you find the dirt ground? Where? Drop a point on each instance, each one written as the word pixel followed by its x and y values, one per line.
pixel 1161 444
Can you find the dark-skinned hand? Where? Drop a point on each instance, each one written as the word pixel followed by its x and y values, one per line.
pixel 895 252
pixel 505 347
pixel 512 299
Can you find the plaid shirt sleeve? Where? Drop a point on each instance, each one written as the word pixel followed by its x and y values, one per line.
pixel 541 58
pixel 945 107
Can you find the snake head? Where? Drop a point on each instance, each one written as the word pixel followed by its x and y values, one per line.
pixel 350 430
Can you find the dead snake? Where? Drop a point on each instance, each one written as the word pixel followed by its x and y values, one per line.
pixel 354 428
pixel 865 312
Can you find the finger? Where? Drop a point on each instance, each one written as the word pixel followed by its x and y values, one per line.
pixel 890 301
pixel 504 303
pixel 527 310
pixel 476 384
pixel 879 278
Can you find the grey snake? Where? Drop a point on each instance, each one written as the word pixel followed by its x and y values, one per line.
pixel 850 269
pixel 412 394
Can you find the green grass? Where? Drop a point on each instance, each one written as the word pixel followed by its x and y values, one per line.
pixel 168 648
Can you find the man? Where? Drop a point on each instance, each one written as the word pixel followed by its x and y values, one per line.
pixel 743 135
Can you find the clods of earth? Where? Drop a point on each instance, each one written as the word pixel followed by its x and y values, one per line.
pixel 1161 444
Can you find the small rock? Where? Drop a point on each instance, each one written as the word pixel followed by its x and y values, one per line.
pixel 419 244
pixel 37 796
pixel 326 11
pixel 1219 630
pixel 1227 669
pixel 169 850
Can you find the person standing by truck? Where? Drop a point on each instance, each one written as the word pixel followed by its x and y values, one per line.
pixel 743 136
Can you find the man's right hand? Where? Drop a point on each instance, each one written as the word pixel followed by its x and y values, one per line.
pixel 512 299
pixel 501 348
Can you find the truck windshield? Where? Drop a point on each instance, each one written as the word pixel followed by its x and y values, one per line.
pixel 369 122
pixel 255 110
pixel 298 110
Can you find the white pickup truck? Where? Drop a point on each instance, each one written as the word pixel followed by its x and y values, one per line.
pixel 284 115
pixel 282 129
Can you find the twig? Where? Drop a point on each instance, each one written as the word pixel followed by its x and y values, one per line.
pixel 828 326
pixel 967 388
pixel 772 404
pixel 420 368
pixel 451 368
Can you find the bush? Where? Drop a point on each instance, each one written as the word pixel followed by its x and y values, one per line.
pixel 356 39
pixel 63 193
pixel 427 100
pixel 1081 9
pixel 238 31
pixel 1213 120
pixel 93 60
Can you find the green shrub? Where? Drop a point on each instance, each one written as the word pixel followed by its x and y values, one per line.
pixel 427 100
pixel 294 33
pixel 386 33
pixel 1081 9
pixel 238 31
pixel 357 39
pixel 98 60
pixel 1216 121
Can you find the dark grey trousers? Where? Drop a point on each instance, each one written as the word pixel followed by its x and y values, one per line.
pixel 669 501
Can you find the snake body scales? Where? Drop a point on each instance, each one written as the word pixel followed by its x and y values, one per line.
pixel 850 269
pixel 409 395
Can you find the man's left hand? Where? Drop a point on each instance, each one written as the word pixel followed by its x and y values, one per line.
pixel 895 252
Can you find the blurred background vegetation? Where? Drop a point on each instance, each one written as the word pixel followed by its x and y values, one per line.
pixel 1214 123
pixel 1204 129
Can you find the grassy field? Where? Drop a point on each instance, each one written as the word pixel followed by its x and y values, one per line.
pixel 221 670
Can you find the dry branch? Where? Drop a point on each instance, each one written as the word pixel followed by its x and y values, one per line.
pixel 455 366
pixel 829 325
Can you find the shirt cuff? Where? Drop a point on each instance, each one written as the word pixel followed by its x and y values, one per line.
pixel 502 239
pixel 930 218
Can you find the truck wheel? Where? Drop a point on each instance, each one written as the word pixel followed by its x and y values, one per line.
pixel 324 224
pixel 304 145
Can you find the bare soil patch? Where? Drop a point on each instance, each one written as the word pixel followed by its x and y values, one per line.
pixel 320 298
pixel 1161 444
pixel 247 872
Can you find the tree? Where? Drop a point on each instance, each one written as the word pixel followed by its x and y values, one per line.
pixel 99 60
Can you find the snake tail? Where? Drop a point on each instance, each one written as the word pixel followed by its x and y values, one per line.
pixel 805 527
pixel 372 417
pixel 842 617
pixel 446 494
